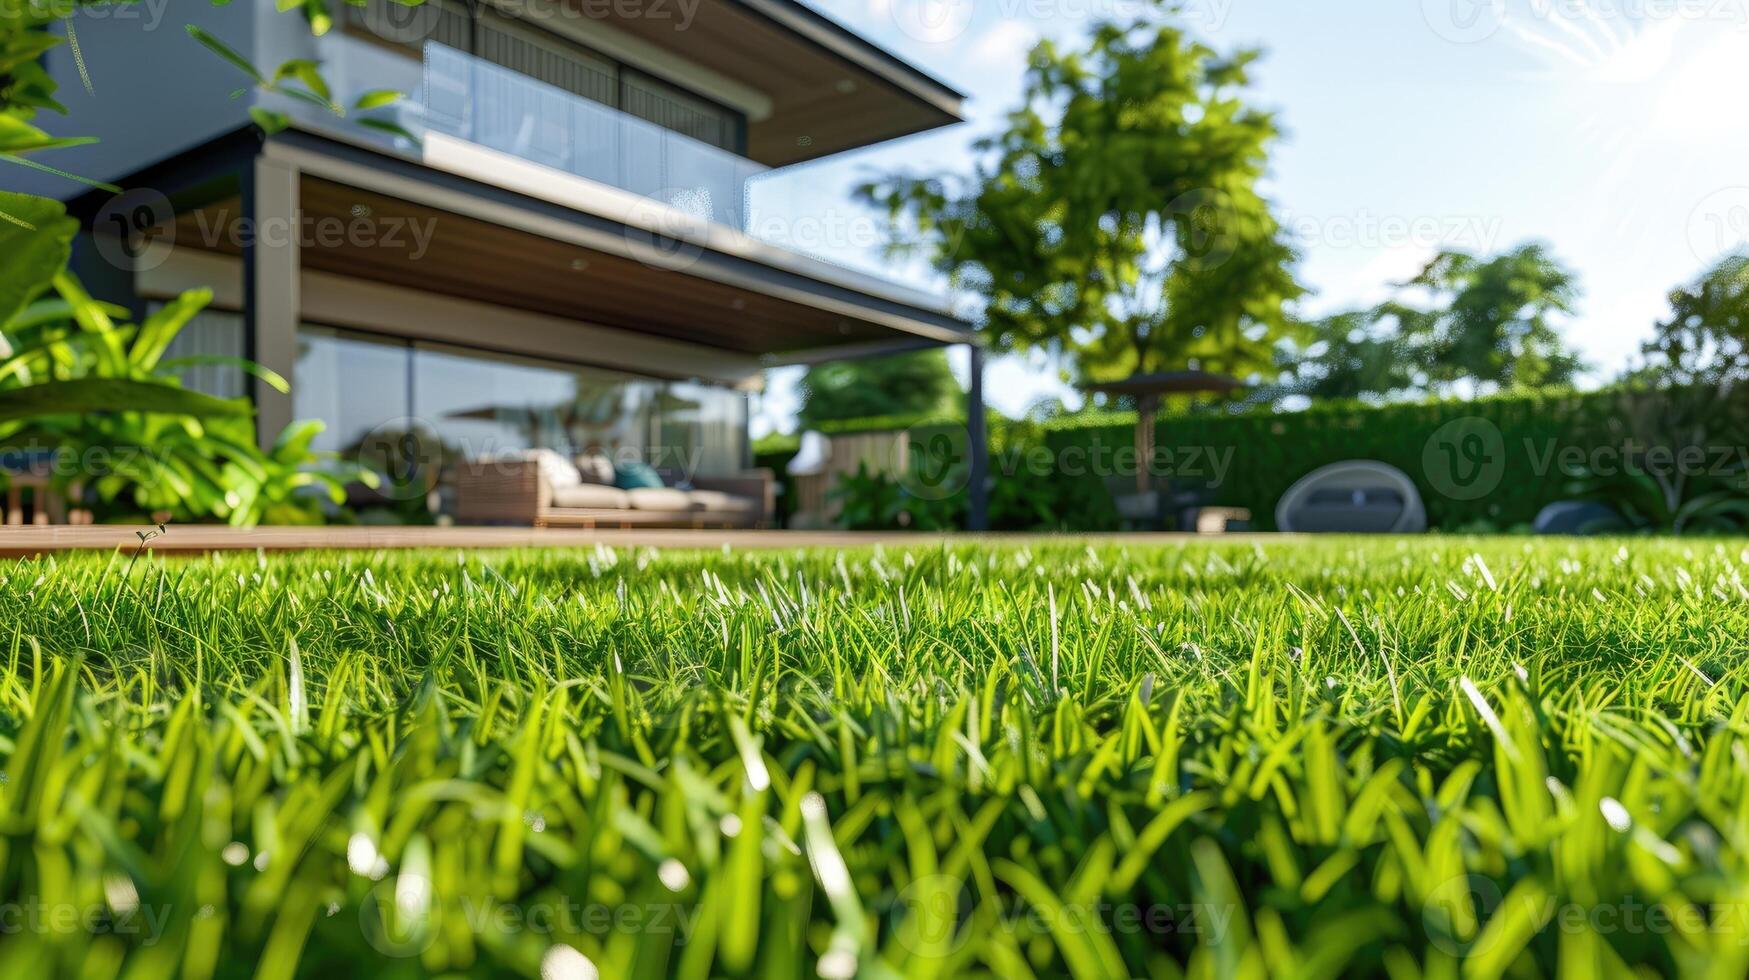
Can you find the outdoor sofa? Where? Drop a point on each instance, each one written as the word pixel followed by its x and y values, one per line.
pixel 544 489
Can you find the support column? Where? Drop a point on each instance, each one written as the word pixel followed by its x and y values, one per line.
pixel 270 286
pixel 978 446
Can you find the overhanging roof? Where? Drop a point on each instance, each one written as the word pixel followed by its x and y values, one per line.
pixel 831 89
pixel 491 244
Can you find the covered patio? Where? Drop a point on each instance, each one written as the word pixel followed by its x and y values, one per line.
pixel 505 257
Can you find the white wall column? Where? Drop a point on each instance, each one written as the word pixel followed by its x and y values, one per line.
pixel 271 303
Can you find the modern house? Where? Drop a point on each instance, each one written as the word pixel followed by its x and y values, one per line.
pixel 586 226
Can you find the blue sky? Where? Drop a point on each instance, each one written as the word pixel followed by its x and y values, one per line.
pixel 1614 131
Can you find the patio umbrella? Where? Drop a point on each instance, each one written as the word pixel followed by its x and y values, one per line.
pixel 1147 390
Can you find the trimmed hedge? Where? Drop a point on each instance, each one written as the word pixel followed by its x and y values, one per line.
pixel 1449 449
pixel 1266 454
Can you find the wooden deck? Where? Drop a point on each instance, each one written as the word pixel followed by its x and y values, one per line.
pixel 194 539
pixel 27 541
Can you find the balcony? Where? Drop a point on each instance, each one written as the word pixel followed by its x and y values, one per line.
pixel 678 186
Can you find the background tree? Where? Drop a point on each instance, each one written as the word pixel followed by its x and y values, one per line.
pixel 1486 321
pixel 1705 340
pixel 1489 321
pixel 918 383
pixel 1116 218
pixel 1349 355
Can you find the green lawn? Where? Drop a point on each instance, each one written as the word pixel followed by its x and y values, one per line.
pixel 1437 757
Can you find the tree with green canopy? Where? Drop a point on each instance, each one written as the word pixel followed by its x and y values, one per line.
pixel 1348 355
pixel 1705 340
pixel 910 384
pixel 1116 219
pixel 1488 321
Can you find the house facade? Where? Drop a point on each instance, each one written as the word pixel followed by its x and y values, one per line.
pixel 583 225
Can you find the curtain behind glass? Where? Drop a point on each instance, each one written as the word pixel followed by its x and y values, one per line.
pixel 704 429
pixel 210 333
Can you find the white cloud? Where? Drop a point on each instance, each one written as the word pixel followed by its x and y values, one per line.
pixel 1004 46
pixel 1343 284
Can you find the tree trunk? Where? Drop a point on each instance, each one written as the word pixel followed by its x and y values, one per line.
pixel 1146 406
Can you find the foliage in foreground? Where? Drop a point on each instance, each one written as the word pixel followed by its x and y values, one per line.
pixel 1431 758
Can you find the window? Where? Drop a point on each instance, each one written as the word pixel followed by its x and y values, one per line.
pixel 480 404
pixel 539 55
pixel 704 428
pixel 675 109
pixel 355 384
pixel 525 47
pixel 210 334
pixel 477 403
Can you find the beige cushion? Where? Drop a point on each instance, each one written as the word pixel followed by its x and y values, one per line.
pixel 591 495
pixel 659 498
pixel 555 469
pixel 717 502
pixel 595 468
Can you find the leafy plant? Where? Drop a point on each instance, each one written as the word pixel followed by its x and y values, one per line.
pixel 1491 320
pixel 872 501
pixel 99 394
pixel 867 501
pixel 74 379
pixel 1484 321
pixel 301 79
pixel 1676 463
pixel 1705 339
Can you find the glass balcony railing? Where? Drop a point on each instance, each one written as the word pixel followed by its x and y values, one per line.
pixel 806 209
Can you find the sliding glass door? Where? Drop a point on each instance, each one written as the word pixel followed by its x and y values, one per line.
pixel 481 403
pixel 473 403
pixel 356 384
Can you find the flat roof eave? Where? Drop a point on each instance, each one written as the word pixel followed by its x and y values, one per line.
pixel 481 183
pixel 811 23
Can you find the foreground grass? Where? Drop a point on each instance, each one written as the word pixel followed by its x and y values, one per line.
pixel 1430 758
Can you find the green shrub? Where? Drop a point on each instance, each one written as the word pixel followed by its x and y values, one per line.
pixel 1059 475
pixel 1266 453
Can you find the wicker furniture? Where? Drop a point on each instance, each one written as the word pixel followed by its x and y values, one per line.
pixel 45 504
pixel 513 491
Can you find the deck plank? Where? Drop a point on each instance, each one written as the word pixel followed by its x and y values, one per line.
pixel 30 541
